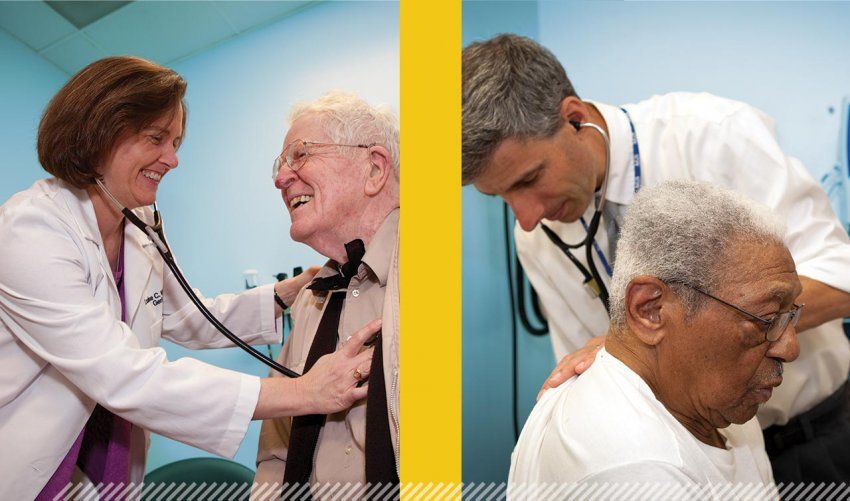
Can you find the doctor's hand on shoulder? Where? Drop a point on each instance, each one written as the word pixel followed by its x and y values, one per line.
pixel 288 289
pixel 573 364
pixel 331 385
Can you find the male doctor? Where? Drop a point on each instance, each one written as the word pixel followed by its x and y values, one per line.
pixel 530 139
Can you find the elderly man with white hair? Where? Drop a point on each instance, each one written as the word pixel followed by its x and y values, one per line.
pixel 703 318
pixel 339 177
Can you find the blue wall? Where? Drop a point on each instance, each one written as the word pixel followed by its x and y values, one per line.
pixel 788 59
pixel 221 210
pixel 27 82
pixel 488 430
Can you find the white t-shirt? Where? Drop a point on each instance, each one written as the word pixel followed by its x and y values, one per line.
pixel 607 426
pixel 727 143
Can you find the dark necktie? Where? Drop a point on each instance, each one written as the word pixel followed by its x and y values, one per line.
pixel 355 251
pixel 380 456
pixel 306 429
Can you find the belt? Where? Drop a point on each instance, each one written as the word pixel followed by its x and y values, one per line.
pixel 803 428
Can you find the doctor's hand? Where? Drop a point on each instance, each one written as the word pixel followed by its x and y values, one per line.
pixel 331 385
pixel 288 289
pixel 573 364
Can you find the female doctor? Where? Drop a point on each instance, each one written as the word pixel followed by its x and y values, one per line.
pixel 85 298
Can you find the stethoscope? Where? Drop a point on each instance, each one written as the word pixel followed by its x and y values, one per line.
pixel 157 236
pixel 592 280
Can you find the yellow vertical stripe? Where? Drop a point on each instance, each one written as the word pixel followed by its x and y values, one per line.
pixel 430 241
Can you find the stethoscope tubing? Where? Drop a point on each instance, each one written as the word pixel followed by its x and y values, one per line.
pixel 157 236
pixel 590 272
pixel 588 254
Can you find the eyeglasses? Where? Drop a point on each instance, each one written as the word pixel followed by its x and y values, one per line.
pixel 773 327
pixel 296 153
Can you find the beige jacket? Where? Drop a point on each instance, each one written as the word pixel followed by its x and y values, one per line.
pixel 373 293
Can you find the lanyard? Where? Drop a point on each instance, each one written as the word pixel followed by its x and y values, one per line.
pixel 635 150
pixel 599 253
pixel 636 161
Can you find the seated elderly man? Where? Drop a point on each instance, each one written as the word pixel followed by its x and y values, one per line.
pixel 339 177
pixel 702 319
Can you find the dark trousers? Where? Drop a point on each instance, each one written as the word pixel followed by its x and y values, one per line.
pixel 814 446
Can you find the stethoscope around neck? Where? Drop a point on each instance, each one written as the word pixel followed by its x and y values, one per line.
pixel 157 236
pixel 592 280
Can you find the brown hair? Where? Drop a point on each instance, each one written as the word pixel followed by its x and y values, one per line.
pixel 108 98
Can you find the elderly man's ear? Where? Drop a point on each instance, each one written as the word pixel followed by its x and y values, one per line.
pixel 380 170
pixel 650 305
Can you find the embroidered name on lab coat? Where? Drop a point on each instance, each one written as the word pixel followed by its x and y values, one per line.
pixel 156 298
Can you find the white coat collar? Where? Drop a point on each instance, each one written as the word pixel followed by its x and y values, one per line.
pixel 140 254
pixel 139 251
pixel 80 205
pixel 621 183
pixel 82 210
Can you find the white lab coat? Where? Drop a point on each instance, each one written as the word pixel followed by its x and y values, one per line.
pixel 63 347
pixel 727 143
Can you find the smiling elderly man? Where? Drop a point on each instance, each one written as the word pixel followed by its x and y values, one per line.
pixel 339 177
pixel 703 317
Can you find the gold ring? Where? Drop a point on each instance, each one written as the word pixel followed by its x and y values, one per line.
pixel 358 375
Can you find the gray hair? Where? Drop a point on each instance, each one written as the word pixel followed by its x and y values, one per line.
pixel 348 119
pixel 512 87
pixel 681 231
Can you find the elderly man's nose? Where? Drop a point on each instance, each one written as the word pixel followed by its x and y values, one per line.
pixel 786 348
pixel 285 178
